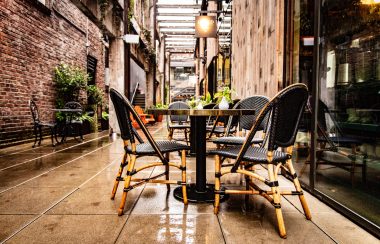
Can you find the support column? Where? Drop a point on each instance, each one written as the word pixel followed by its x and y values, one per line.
pixel 127 51
pixel 202 61
pixel 212 43
pixel 162 68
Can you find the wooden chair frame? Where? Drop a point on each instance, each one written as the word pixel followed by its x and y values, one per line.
pixel 274 194
pixel 131 155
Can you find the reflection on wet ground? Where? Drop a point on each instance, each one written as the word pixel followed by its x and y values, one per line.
pixel 62 194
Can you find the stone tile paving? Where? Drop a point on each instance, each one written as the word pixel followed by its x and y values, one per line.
pixel 62 195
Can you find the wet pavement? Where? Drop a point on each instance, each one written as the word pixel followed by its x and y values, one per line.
pixel 62 195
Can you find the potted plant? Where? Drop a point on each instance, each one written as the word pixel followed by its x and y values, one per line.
pixel 199 103
pixel 159 117
pixel 70 81
pixel 224 97
pixel 95 99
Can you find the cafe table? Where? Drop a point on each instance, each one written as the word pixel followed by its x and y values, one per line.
pixel 200 191
pixel 66 124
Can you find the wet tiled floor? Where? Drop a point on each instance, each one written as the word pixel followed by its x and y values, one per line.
pixel 62 195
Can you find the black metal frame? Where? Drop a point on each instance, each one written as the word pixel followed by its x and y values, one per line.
pixel 38 125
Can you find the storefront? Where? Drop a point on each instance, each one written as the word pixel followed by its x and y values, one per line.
pixel 340 162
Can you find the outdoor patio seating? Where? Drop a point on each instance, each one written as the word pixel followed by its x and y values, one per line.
pixel 160 149
pixel 245 122
pixel 218 125
pixel 285 111
pixel 74 124
pixel 38 125
pixel 332 140
pixel 146 118
pixel 178 122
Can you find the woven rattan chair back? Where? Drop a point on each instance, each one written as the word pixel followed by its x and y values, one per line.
pixel 124 109
pixel 255 103
pixel 285 111
pixel 179 118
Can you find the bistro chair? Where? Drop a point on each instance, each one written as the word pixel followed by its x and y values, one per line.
pixel 331 140
pixel 245 122
pixel 161 149
pixel 178 122
pixel 216 128
pixel 285 111
pixel 38 125
pixel 72 120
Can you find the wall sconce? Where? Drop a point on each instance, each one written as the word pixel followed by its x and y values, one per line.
pixel 205 26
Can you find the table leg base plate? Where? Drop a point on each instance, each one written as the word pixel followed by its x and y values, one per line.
pixel 195 196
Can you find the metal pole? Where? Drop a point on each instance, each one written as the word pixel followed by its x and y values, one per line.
pixel 127 80
pixel 154 46
pixel 315 94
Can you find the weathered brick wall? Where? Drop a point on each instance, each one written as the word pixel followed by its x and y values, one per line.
pixel 257 47
pixel 32 43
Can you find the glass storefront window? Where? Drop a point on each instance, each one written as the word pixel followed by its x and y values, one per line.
pixel 348 143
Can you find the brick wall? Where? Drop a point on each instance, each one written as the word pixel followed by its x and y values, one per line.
pixel 33 40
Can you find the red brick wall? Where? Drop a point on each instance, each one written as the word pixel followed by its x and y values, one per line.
pixel 32 43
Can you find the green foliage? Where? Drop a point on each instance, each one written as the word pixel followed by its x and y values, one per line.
pixel 105 115
pixel 69 81
pixel 95 95
pixel 225 92
pixel 206 99
pixel 86 116
pixel 192 102
pixel 160 105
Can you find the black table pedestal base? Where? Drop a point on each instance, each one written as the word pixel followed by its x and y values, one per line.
pixel 195 196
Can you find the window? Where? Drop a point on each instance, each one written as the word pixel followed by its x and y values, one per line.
pixel 91 69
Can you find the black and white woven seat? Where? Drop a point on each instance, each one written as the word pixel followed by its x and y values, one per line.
pixel 178 122
pixel 246 122
pixel 38 125
pixel 160 149
pixel 257 155
pixel 164 146
pixel 236 140
pixel 284 112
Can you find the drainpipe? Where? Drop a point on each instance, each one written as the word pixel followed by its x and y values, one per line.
pixel 154 46
pixel 127 78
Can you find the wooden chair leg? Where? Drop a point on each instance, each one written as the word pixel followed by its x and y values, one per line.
pixel 217 184
pixel 167 171
pixel 170 134
pixel 183 164
pixel 277 201
pixel 297 185
pixel 116 184
pixel 131 166
pixel 187 141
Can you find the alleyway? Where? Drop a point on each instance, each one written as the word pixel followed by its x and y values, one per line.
pixel 62 195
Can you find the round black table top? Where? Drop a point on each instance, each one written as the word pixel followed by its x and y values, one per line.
pixel 201 112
